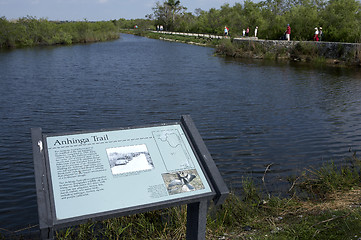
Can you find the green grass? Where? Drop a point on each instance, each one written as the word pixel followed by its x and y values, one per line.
pixel 161 224
pixel 319 183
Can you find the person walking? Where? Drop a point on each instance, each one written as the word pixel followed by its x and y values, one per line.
pixel 320 34
pixel 315 36
pixel 226 31
pixel 243 33
pixel 288 33
pixel 247 32
pixel 255 31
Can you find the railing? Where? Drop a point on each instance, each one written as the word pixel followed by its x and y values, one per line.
pixel 200 35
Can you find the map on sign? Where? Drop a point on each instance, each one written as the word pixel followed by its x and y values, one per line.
pixel 111 170
pixel 173 147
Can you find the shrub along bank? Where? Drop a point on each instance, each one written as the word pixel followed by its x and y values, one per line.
pixel 28 31
pixel 316 52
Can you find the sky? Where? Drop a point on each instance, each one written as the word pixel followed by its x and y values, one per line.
pixel 94 10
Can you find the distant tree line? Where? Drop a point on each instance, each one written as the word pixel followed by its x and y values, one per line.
pixel 29 31
pixel 340 19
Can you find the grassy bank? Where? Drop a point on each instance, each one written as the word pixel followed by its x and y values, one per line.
pixel 29 32
pixel 300 52
pixel 321 203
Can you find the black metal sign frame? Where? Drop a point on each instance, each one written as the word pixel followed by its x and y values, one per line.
pixel 197 204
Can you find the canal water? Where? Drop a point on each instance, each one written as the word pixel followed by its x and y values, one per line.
pixel 250 113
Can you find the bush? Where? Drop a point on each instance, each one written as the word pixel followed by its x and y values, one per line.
pixel 29 31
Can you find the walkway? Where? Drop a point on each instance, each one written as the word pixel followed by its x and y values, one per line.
pixel 200 35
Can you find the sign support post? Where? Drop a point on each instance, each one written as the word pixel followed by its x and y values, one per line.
pixel 197 220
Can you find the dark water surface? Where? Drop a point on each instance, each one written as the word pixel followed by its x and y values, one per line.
pixel 250 113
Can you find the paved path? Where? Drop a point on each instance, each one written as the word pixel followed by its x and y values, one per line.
pixel 191 34
pixel 202 35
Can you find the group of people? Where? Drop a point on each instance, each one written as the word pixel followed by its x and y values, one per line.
pixel 316 37
pixel 318 34
pixel 287 36
pixel 245 33
pixel 160 28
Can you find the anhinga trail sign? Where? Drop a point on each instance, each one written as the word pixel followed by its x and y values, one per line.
pixel 111 173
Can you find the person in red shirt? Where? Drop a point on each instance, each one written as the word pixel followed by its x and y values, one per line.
pixel 288 33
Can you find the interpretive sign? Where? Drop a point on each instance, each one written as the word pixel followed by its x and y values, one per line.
pixel 115 172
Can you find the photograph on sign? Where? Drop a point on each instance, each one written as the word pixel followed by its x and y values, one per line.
pixel 182 181
pixel 129 159
pixel 111 170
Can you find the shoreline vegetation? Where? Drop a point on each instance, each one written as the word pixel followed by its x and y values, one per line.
pixel 30 32
pixel 278 50
pixel 300 51
pixel 318 53
pixel 322 203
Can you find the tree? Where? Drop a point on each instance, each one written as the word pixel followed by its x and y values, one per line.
pixel 210 22
pixel 303 18
pixel 254 16
pixel 186 23
pixel 165 13
pixel 162 14
pixel 174 6
pixel 342 21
